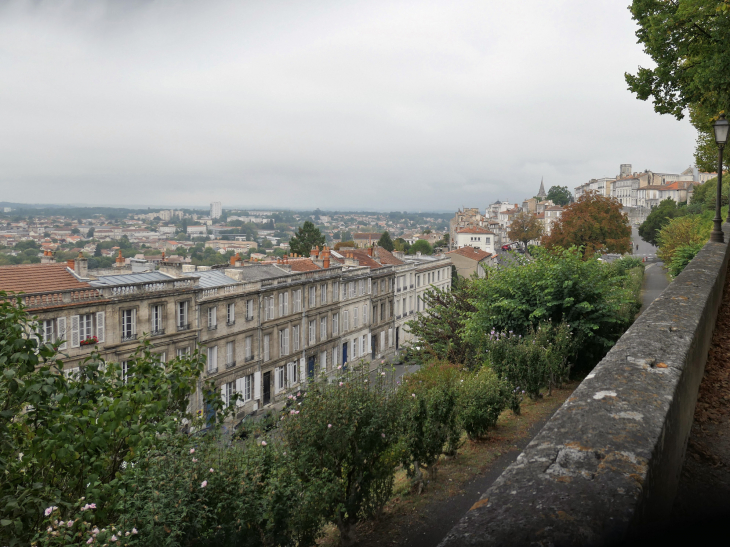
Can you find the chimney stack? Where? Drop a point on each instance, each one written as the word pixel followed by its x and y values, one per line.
pixel 120 260
pixel 48 257
pixel 315 252
pixel 325 257
pixel 81 266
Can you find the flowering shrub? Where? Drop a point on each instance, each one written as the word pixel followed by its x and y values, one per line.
pixel 89 341
pixel 343 446
pixel 483 396
pixel 531 362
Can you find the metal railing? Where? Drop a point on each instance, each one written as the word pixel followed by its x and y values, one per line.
pixel 128 337
pixel 231 364
pixel 158 332
pixel 183 327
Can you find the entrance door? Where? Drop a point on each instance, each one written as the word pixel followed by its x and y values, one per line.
pixel 344 354
pixel 397 336
pixel 310 367
pixel 267 388
pixel 373 344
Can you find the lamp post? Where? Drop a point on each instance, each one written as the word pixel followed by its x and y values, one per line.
pixel 720 127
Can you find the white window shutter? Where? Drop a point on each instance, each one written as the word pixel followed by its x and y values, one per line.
pixel 302 372
pixel 277 387
pixel 239 390
pixel 370 344
pixel 61 322
pixel 75 331
pixel 257 385
pixel 223 394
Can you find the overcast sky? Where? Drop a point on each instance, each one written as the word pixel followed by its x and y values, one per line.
pixel 371 104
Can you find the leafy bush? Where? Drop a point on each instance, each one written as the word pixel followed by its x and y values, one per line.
pixel 430 425
pixel 62 437
pixel 687 230
pixel 343 445
pixel 482 398
pixel 529 363
pixel 683 255
pixel 557 287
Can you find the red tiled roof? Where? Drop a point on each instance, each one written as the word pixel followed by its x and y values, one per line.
pixel 471 252
pixel 387 258
pixel 473 230
pixel 31 278
pixel 364 258
pixel 303 265
pixel 539 215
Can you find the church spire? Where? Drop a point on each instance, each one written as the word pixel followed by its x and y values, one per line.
pixel 541 193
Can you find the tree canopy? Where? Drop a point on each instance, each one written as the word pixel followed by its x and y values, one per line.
pixel 687 39
pixel 422 246
pixel 307 236
pixel 595 223
pixel 560 195
pixel 659 216
pixel 525 228
pixel 385 242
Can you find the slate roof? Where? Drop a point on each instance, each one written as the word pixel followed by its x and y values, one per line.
pixel 258 272
pixel 30 278
pixel 211 278
pixel 126 279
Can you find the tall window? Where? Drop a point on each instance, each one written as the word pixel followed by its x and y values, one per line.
pixel 182 352
pixel 231 313
pixel 382 311
pixel 125 371
pixel 323 294
pixel 182 315
pixel 268 308
pixel 230 354
pixel 292 373
pixel 335 324
pixel 323 329
pixel 247 387
pixel 128 325
pixel 352 289
pixel 295 337
pixel 249 309
pixel 213 359
pixel 312 297
pixel 375 313
pixel 354 345
pixel 312 332
pixel 362 287
pixel 345 321
pixel 370 286
pixel 86 326
pixel 284 342
pixel 365 314
pixel 48 331
pixel 212 317
pixel 279 379
pixel 323 360
pixel 364 344
pixel 267 340
pixel 247 348
pixel 297 300
pixel 335 290
pixel 156 320
pixel 229 388
pixel 355 323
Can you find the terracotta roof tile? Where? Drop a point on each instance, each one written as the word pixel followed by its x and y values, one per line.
pixel 364 258
pixel 30 278
pixel 471 252
pixel 303 265
pixel 387 258
pixel 473 230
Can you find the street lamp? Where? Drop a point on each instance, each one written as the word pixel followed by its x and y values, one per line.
pixel 720 127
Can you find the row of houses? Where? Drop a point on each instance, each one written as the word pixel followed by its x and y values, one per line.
pixel 264 328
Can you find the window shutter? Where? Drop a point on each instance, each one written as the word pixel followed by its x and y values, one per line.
pixel 257 385
pixel 286 303
pixel 302 373
pixel 223 394
pixel 369 347
pixel 61 322
pixel 75 331
pixel 239 390
pixel 277 387
pixel 281 304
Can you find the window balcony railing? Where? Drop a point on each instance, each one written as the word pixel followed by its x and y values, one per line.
pixel 212 371
pixel 158 332
pixel 231 364
pixel 128 337
pixel 212 327
pixel 183 327
pixel 249 358
pixel 231 323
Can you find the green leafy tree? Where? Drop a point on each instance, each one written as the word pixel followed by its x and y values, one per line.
pixel 385 242
pixel 346 236
pixel 659 216
pixel 683 231
pixel 559 286
pixel 560 195
pixel 344 446
pixel 307 237
pixel 687 40
pixel 482 398
pixel 401 244
pixel 422 246
pixel 595 223
pixel 525 227
pixel 440 328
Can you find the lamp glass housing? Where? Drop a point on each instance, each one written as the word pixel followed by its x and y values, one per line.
pixel 721 127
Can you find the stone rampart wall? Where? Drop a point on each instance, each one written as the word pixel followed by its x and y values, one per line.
pixel 605 468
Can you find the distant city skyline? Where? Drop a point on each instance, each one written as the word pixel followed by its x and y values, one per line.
pixel 362 105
